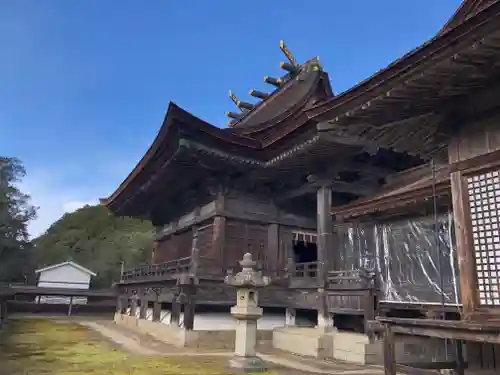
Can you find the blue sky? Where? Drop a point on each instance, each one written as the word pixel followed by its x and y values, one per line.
pixel 84 84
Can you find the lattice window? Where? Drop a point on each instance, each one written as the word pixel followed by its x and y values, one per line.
pixel 484 200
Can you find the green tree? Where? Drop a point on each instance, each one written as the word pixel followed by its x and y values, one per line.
pixel 15 214
pixel 95 238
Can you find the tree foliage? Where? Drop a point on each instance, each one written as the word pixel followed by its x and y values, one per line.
pixel 15 214
pixel 96 239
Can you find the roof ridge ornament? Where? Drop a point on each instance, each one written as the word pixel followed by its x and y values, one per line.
pixel 288 54
pixel 244 107
pixel 293 70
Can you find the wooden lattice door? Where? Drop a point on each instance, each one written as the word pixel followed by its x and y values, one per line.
pixel 484 202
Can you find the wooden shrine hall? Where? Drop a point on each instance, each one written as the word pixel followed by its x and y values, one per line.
pixel 265 185
pixel 380 201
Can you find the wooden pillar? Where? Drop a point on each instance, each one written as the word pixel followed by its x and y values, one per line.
pixel 464 244
pixel 324 247
pixel 3 311
pixel 195 252
pixel 157 311
pixel 187 299
pixel 153 252
pixel 325 231
pixel 285 237
pixel 143 311
pixel 290 268
pixel 119 304
pixel 70 306
pixel 389 351
pixel 176 312
pixel 133 305
pixel 459 357
pixel 368 304
pixel 124 303
pixel 189 312
pixel 290 315
pixel 273 254
pixel 219 233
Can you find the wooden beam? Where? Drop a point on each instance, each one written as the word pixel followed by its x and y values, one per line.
pixel 363 187
pixel 273 81
pixel 234 115
pixel 233 97
pixel 302 190
pixel 360 188
pixel 289 67
pixel 332 133
pixel 245 105
pixel 445 332
pixel 259 94
pixel 354 166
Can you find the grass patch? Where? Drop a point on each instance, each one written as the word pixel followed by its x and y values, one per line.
pixel 42 346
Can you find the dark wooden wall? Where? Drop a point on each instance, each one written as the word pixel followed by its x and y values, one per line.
pixel 227 240
pixel 474 140
pixel 231 226
pixel 165 250
pixel 242 237
pixel 173 247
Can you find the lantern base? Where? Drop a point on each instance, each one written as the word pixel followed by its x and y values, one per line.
pixel 247 364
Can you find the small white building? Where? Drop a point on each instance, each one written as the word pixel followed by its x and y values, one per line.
pixel 69 275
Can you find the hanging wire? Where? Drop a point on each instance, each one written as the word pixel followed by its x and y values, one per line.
pixel 438 249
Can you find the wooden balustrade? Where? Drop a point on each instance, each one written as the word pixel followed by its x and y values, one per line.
pixel 305 270
pixel 358 279
pixel 343 291
pixel 208 267
pixel 158 271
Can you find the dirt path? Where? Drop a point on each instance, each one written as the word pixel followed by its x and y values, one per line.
pixel 113 335
pixel 134 345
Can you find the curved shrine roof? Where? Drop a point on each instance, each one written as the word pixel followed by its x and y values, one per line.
pixel 467 9
pixel 180 124
pixel 459 28
pixel 304 88
pixel 182 129
pixel 294 104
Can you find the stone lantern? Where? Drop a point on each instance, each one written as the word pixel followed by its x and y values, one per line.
pixel 246 312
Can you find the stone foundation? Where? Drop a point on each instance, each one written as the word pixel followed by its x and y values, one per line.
pixel 356 347
pixel 162 332
pixel 180 337
pixel 308 342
